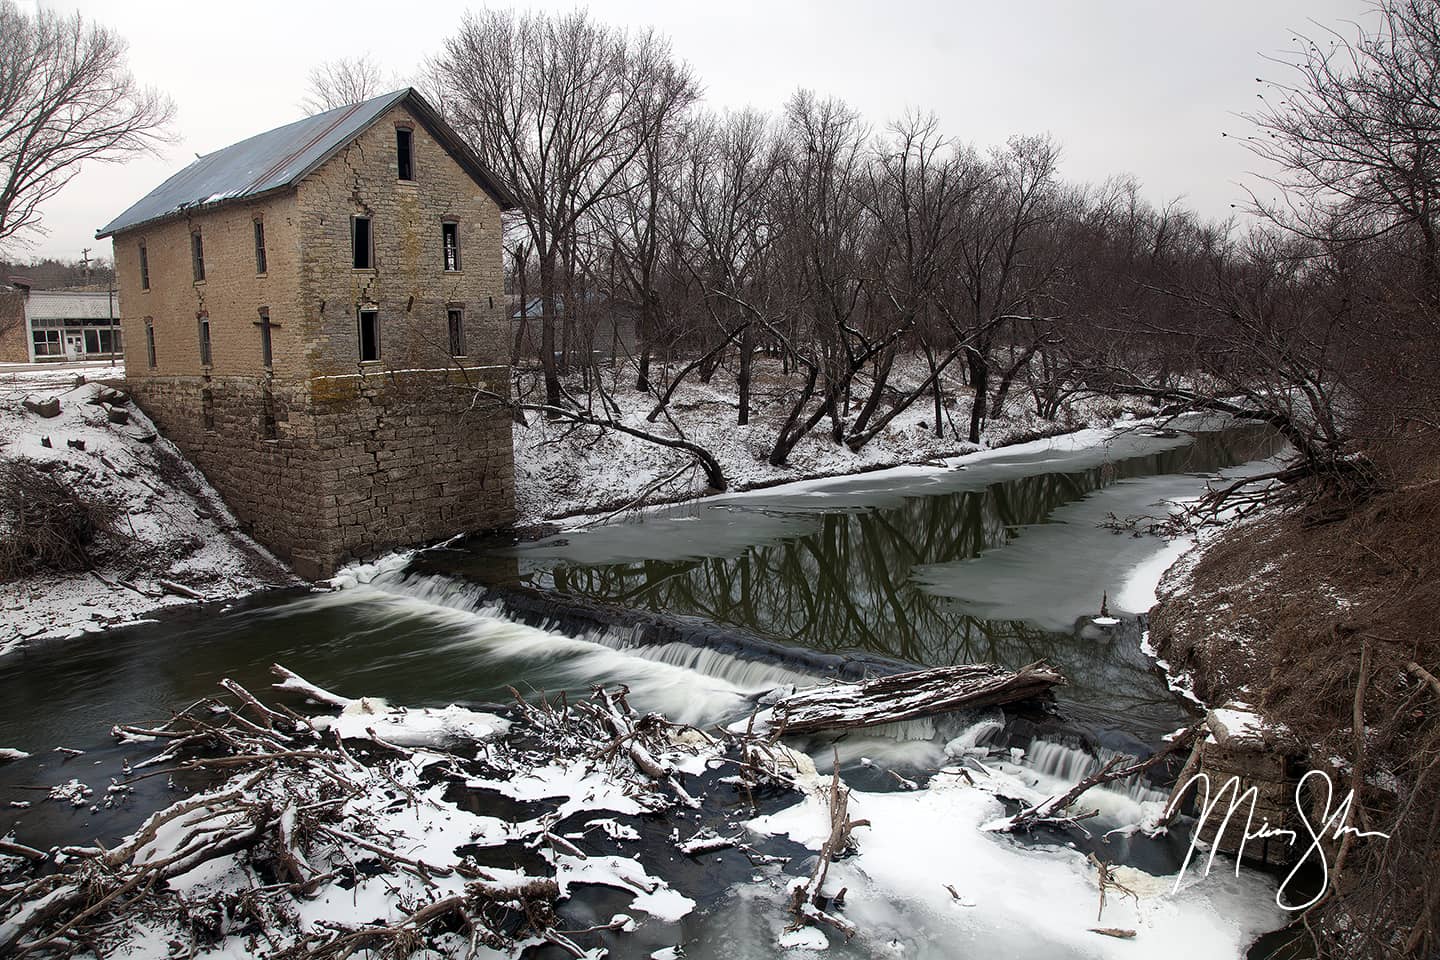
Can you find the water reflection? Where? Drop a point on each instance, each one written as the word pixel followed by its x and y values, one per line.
pixel 950 566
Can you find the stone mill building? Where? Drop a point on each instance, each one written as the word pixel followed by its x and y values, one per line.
pixel 309 314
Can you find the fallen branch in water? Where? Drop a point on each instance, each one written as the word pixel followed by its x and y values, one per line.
pixel 1048 811
pixel 904 696
pixel 807 900
pixel 292 815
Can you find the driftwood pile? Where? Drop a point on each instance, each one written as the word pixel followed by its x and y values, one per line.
pixel 299 816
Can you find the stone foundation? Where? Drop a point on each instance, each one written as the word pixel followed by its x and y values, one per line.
pixel 333 469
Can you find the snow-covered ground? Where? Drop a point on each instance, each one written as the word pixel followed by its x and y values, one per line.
pixel 562 469
pixel 171 525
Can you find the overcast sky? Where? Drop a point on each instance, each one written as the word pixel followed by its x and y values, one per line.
pixel 1126 86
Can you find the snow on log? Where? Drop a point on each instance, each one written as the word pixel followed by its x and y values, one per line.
pixel 903 696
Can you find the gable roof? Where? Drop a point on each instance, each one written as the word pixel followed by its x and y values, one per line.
pixel 279 159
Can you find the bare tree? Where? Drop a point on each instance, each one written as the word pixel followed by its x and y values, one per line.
pixel 1356 130
pixel 558 107
pixel 66 96
pixel 342 82
pixel 1004 266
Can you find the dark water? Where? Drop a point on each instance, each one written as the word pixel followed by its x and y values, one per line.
pixel 1005 561
pixel 1002 561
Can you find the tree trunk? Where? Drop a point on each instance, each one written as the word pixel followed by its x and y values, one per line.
pixel 742 380
pixel 547 328
pixel 979 366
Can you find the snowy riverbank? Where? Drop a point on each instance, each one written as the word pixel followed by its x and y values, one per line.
pixel 562 470
pixel 167 523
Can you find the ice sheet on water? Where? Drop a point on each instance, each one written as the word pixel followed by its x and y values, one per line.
pixel 1014 900
pixel 1077 559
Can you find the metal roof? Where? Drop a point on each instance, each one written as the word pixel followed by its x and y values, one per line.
pixel 68 305
pixel 282 157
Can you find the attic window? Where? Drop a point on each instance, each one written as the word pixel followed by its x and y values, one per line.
pixel 197 256
pixel 404 157
pixel 362 243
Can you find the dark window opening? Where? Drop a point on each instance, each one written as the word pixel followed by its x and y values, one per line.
pixel 204 321
pixel 207 407
pixel 450 240
pixel 260 246
pixel 150 341
pixel 267 355
pixel 269 429
pixel 369 335
pixel 144 268
pixel 403 154
pixel 102 340
pixel 197 256
pixel 361 243
pixel 457 332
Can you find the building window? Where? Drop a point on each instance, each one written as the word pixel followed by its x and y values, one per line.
pixel 259 245
pixel 47 343
pixel 457 332
pixel 369 335
pixel 197 256
pixel 404 156
pixel 102 340
pixel 144 268
pixel 203 319
pixel 450 242
pixel 362 243
pixel 267 355
pixel 150 342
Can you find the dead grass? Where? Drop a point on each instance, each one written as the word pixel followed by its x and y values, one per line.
pixel 1282 613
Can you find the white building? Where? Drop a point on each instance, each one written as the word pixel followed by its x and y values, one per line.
pixel 66 325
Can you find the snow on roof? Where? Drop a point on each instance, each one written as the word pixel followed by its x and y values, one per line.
pixel 282 157
pixel 69 305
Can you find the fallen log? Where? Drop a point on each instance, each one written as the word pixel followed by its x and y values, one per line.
pixel 904 696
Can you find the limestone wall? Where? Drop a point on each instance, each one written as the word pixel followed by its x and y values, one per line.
pixel 14 331
pixel 321 457
pixel 361 464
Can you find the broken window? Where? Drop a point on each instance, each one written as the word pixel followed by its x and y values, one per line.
pixel 150 341
pixel 457 332
pixel 197 256
pixel 450 241
pixel 361 242
pixel 404 158
pixel 369 321
pixel 259 245
pixel 144 268
pixel 267 356
pixel 204 322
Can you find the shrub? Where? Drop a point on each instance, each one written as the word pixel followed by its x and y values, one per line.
pixel 45 524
